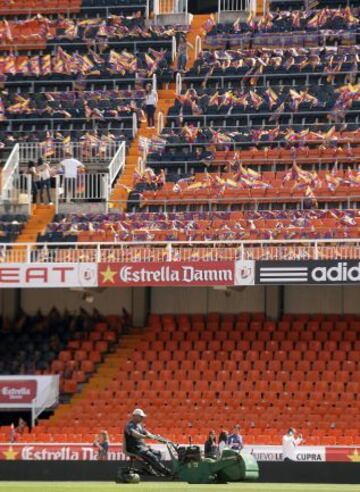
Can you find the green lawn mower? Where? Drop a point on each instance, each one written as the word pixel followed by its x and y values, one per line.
pixel 232 466
pixel 190 466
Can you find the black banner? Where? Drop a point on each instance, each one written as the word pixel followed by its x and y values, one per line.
pixel 307 272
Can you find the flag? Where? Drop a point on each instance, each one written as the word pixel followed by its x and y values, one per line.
pixel 46 65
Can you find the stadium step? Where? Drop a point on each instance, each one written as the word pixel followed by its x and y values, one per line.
pixel 123 185
pixel 196 29
pixel 41 216
pixel 106 373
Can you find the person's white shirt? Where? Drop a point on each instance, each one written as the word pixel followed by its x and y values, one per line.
pixel 151 98
pixel 71 167
pixel 44 171
pixel 289 445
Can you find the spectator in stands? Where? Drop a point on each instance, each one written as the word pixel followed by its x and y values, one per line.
pixel 151 100
pixel 21 427
pixel 210 447
pixel 71 166
pixel 12 437
pixel 102 443
pixel 290 441
pixel 35 180
pixel 134 435
pixel 235 440
pixel 45 179
pixel 183 55
pixel 222 443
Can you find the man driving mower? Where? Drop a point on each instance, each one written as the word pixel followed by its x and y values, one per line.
pixel 134 435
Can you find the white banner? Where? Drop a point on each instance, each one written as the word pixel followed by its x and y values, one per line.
pixel 274 453
pixel 86 451
pixel 48 275
pixel 28 391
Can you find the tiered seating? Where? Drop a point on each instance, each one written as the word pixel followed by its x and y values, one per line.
pixel 302 371
pixel 73 353
pixel 301 65
pixel 47 97
pixel 284 29
pixel 203 226
pixel 11 226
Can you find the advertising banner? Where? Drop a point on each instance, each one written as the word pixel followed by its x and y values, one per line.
pixel 307 272
pixel 39 275
pixel 195 274
pixel 351 454
pixel 74 452
pixel 26 391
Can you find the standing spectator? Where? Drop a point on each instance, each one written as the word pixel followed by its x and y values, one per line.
pixel 289 444
pixel 183 55
pixel 151 100
pixel 45 179
pixel 71 167
pixel 210 447
pixel 223 438
pixel 102 443
pixel 235 440
pixel 35 180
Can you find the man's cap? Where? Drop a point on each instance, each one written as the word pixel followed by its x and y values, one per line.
pixel 139 412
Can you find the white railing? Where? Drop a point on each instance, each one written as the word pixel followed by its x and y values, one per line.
pixel 17 197
pixel 134 125
pixel 135 251
pixel 232 6
pixel 84 189
pixel 85 152
pixel 173 49
pixel 168 7
pixel 160 122
pixel 178 84
pixel 10 170
pixel 198 46
pixel 117 164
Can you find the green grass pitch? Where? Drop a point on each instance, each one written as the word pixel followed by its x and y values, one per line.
pixel 169 487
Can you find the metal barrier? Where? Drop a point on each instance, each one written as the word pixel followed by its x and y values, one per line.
pixel 178 84
pixel 232 6
pixel 17 196
pixel 168 7
pixel 160 122
pixel 10 169
pixel 181 251
pixel 198 46
pixel 207 119
pixel 83 189
pixel 117 164
pixel 267 79
pixel 57 151
pixel 34 85
pixel 173 49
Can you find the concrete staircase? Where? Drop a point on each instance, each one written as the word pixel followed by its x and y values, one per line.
pixel 104 375
pixel 41 216
pixel 196 29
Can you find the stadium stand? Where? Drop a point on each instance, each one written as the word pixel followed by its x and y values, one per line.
pixel 241 368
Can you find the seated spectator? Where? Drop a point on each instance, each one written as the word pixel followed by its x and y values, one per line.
pixel 210 447
pixel 223 442
pixel 102 443
pixel 235 440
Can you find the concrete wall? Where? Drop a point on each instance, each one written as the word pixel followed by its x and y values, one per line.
pixel 204 300
pixel 297 299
